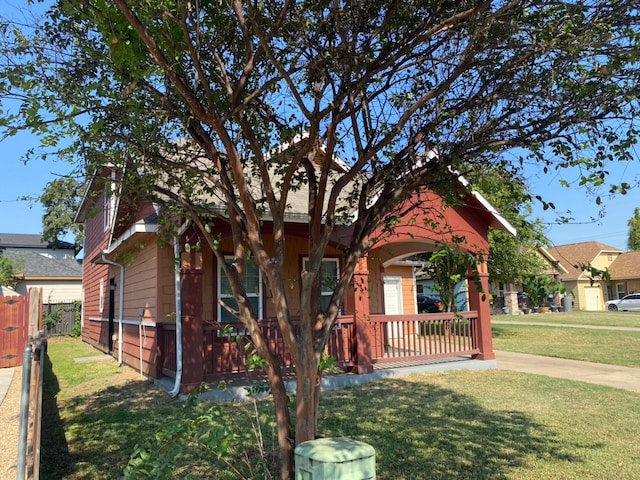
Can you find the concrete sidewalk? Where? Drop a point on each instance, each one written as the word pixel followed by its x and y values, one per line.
pixel 10 386
pixel 567 325
pixel 626 378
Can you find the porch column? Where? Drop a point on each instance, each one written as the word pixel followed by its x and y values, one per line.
pixel 364 333
pixel 192 330
pixel 481 305
pixel 511 299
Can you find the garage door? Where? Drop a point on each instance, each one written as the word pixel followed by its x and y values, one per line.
pixel 592 299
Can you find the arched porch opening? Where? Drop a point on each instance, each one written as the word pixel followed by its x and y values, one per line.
pixel 388 334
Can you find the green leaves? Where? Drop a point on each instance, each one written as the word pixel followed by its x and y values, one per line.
pixel 178 444
pixel 7 272
pixel 60 199
pixel 447 266
pixel 593 273
pixel 633 241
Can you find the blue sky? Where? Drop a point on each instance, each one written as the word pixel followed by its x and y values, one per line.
pixel 18 179
pixel 615 211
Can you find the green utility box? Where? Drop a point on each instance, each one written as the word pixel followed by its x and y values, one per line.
pixel 335 459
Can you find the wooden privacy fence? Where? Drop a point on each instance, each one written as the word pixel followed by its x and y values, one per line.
pixel 14 329
pixel 59 318
pixel 28 465
pixel 393 338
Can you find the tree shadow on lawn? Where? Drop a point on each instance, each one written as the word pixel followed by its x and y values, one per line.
pixel 55 460
pixel 104 426
pixel 422 431
pixel 419 431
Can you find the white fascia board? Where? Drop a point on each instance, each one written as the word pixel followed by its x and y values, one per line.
pixel 138 227
pixel 502 222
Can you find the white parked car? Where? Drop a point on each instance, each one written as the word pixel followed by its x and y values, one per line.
pixel 628 302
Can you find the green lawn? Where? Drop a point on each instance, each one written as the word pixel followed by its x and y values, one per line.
pixel 614 347
pixel 610 319
pixel 459 425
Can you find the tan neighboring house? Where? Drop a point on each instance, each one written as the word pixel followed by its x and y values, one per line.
pixel 7 292
pixel 54 270
pixel 588 292
pixel 509 293
pixel 625 275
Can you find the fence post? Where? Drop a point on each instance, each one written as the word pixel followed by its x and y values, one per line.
pixel 35 409
pixel 24 412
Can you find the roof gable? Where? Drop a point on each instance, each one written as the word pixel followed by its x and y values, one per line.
pixel 297 209
pixel 554 265
pixel 626 266
pixel 574 254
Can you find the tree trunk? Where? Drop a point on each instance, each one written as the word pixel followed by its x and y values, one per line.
pixel 306 403
pixel 283 422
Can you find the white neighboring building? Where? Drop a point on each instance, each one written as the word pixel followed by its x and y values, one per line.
pixel 7 292
pixel 54 269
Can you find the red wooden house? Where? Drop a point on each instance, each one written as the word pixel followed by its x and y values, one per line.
pixel 131 284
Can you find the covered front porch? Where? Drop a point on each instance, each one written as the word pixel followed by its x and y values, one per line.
pixel 357 345
pixel 379 326
pixel 400 346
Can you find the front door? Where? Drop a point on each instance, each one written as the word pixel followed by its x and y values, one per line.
pixel 393 304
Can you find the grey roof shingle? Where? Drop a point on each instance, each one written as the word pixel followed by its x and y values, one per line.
pixel 28 240
pixel 32 264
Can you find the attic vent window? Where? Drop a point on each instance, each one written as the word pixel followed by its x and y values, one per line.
pixel 610 257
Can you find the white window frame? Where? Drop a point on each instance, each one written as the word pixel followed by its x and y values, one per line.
pixel 221 295
pixel 101 304
pixel 305 266
pixel 109 202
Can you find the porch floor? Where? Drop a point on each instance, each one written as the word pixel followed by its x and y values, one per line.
pixel 237 389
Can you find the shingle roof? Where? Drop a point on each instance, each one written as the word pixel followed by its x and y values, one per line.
pixel 579 253
pixel 29 240
pixel 24 240
pixel 626 266
pixel 32 264
pixel 297 208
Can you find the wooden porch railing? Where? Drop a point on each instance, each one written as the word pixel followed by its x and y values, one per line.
pixel 401 338
pixel 395 338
